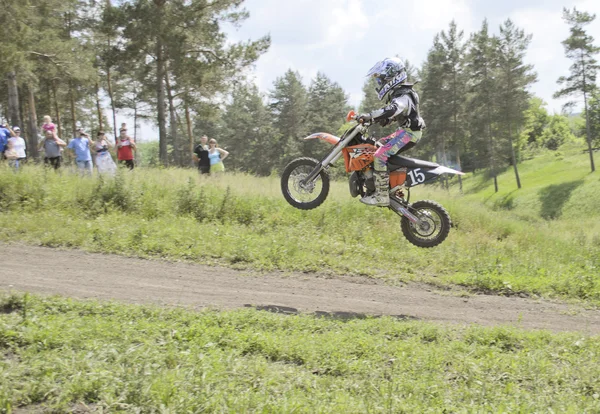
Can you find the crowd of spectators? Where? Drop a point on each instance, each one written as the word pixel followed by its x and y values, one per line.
pixel 87 152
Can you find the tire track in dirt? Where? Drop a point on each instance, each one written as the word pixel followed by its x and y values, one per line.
pixel 82 275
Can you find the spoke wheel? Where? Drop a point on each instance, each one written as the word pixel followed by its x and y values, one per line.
pixel 299 193
pixel 434 224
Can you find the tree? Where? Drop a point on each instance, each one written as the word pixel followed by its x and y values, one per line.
pixel 453 69
pixel 256 147
pixel 288 107
pixel 580 49
pixel 594 117
pixel 557 132
pixel 514 79
pixel 327 106
pixel 180 38
pixel 535 119
pixel 443 95
pixel 483 98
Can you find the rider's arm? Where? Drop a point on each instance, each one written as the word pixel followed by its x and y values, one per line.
pixel 396 107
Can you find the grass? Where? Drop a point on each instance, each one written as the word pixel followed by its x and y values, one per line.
pixel 541 240
pixel 56 354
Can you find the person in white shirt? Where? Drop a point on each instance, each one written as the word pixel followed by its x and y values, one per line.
pixel 15 151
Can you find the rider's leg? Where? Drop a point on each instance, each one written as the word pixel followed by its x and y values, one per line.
pixel 390 146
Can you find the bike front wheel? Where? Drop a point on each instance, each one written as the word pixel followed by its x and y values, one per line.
pixel 434 227
pixel 299 193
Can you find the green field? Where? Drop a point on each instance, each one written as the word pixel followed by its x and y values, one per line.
pixel 60 355
pixel 57 354
pixel 541 240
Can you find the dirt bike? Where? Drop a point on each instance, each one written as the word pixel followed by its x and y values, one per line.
pixel 305 182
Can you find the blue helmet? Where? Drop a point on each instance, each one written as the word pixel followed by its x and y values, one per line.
pixel 388 73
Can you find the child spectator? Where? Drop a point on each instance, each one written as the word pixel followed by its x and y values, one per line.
pixel 48 125
pixel 81 146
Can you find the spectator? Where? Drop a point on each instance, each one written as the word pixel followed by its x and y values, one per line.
pixel 104 161
pixel 125 148
pixel 48 125
pixel 81 146
pixel 216 156
pixel 201 156
pixel 53 146
pixel 16 149
pixel 5 134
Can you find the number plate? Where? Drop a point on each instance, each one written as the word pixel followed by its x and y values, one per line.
pixel 419 176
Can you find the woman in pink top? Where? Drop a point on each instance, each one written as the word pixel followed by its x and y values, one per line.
pixel 125 148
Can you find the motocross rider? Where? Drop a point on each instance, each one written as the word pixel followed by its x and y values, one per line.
pixel 403 107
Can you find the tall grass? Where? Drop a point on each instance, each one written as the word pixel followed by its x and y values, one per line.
pixel 507 243
pixel 59 354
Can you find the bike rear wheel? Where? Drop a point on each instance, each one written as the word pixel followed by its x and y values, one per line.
pixel 300 194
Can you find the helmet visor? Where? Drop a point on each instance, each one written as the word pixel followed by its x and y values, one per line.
pixel 380 79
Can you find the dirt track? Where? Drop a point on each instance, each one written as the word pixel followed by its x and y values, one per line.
pixel 82 275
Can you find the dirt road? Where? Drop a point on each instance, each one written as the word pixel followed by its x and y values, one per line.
pixel 83 275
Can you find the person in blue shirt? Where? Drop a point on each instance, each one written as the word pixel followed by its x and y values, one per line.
pixel 5 134
pixel 81 146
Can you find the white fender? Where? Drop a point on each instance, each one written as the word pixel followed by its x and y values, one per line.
pixel 445 170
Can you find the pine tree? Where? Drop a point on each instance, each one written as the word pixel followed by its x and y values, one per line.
pixel 327 106
pixel 514 79
pixel 443 95
pixel 580 49
pixel 453 68
pixel 255 147
pixel 289 107
pixel 483 100
pixel 187 46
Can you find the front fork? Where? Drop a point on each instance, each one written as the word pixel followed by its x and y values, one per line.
pixel 400 207
pixel 334 155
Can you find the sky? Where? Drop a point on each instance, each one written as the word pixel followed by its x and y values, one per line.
pixel 344 38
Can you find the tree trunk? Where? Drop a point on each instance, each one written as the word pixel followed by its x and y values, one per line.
pixel 99 108
pixel 188 123
pixel 73 113
pixel 112 101
pixel 32 132
pixel 588 131
pixel 13 99
pixel 58 126
pixel 160 94
pixel 172 121
pixel 460 183
pixel 513 155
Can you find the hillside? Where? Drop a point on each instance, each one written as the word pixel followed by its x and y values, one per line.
pixel 541 240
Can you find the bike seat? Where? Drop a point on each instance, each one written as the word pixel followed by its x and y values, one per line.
pixel 398 161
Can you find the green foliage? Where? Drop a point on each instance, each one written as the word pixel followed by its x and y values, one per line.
pixel 254 143
pixel 288 105
pixel 118 357
pixel 535 120
pixel 556 133
pixel 594 118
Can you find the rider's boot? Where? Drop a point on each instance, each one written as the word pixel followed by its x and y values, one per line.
pixel 381 196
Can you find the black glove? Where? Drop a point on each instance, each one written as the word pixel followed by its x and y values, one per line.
pixel 362 118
